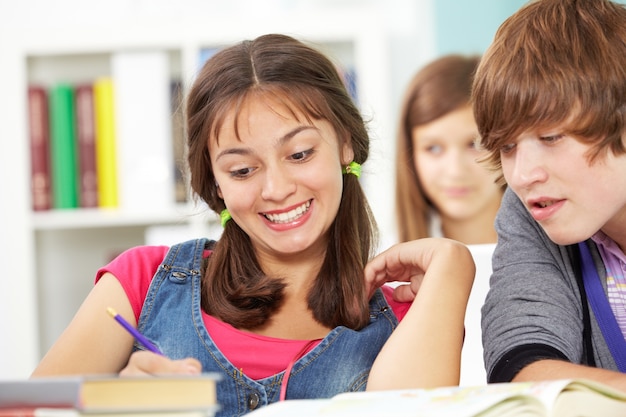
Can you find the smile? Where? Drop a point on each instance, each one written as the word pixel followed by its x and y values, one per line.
pixel 289 216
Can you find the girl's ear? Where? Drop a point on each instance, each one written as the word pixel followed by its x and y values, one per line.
pixel 347 153
pixel 219 191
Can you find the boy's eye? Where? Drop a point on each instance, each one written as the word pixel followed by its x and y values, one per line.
pixel 551 138
pixel 507 148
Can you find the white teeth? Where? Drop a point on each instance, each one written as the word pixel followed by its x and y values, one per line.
pixel 289 216
pixel 544 204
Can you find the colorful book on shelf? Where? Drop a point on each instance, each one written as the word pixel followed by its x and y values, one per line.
pixel 143 127
pixel 40 181
pixel 86 146
pixel 63 165
pixel 106 152
pixel 559 398
pixel 178 142
pixel 111 394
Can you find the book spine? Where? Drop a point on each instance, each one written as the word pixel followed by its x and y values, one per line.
pixel 143 123
pixel 85 132
pixel 18 412
pixel 39 148
pixel 179 144
pixel 106 158
pixel 63 147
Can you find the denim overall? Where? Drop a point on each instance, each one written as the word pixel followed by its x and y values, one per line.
pixel 172 318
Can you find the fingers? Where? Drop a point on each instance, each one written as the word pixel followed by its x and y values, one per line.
pixel 401 262
pixel 404 293
pixel 148 363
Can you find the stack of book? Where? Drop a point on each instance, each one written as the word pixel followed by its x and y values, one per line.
pixel 99 396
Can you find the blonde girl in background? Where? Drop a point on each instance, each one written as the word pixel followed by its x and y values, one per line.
pixel 441 188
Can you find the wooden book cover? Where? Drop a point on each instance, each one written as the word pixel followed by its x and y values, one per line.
pixel 86 142
pixel 63 160
pixel 39 148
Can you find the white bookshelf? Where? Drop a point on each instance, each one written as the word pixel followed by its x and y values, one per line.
pixel 49 259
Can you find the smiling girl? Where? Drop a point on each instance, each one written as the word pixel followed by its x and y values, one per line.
pixel 289 302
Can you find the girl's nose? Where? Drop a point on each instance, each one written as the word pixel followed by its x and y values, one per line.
pixel 278 184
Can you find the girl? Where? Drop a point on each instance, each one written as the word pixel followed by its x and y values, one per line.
pixel 285 304
pixel 441 189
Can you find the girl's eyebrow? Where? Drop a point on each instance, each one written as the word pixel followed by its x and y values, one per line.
pixel 280 142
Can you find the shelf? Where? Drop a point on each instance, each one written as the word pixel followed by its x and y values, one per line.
pixel 52 255
pixel 99 218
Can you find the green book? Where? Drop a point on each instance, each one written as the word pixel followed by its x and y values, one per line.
pixel 63 161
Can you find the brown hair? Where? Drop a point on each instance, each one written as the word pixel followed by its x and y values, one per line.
pixel 235 289
pixel 552 62
pixel 442 86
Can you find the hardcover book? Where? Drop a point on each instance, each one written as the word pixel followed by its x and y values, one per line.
pixel 143 127
pixel 111 394
pixel 39 148
pixel 63 165
pixel 86 142
pixel 106 152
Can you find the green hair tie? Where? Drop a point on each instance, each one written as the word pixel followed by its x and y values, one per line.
pixel 352 168
pixel 225 217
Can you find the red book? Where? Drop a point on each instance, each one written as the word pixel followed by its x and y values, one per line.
pixel 39 148
pixel 85 138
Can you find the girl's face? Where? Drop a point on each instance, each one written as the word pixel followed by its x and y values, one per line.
pixel 569 196
pixel 445 161
pixel 281 179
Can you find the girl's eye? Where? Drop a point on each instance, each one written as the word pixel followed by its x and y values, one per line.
pixel 241 173
pixel 301 156
pixel 434 149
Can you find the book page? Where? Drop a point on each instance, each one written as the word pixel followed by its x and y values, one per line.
pixel 587 398
pixel 484 401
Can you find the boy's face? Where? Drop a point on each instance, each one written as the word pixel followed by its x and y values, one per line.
pixel 569 196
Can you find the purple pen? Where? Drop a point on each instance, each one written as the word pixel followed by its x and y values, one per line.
pixel 138 336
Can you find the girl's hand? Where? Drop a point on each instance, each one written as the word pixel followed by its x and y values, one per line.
pixel 406 262
pixel 148 363
pixel 424 351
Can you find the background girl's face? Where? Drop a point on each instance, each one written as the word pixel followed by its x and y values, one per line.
pixel 281 178
pixel 446 164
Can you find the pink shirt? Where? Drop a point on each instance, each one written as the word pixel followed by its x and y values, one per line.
pixel 135 268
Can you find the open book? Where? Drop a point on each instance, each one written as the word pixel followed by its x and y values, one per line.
pixel 559 398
